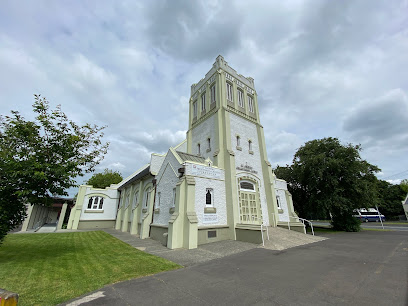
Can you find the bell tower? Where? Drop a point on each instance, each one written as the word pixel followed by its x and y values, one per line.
pixel 224 126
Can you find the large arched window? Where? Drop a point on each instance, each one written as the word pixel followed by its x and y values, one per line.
pixel 95 203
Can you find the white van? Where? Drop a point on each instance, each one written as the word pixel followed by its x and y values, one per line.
pixel 367 215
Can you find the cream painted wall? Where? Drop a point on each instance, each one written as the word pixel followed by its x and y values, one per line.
pixel 111 197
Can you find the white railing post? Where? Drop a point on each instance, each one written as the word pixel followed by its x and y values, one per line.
pixel 311 224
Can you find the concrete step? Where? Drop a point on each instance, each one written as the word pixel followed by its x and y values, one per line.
pixel 281 239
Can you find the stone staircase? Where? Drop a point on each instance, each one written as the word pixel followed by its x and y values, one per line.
pixel 281 239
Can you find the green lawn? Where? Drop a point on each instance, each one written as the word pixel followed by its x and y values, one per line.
pixel 47 269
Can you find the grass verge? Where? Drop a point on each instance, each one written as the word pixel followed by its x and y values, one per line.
pixel 47 269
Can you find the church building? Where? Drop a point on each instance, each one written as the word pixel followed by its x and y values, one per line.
pixel 217 184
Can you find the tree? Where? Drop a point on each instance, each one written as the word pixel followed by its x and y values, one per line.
pixel 327 177
pixel 105 179
pixel 41 158
pixel 390 197
pixel 404 185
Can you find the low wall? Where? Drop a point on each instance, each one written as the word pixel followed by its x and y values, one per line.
pixel 157 233
pixel 96 224
pixel 213 234
pixel 249 235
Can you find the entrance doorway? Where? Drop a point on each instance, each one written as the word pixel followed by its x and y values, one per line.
pixel 249 206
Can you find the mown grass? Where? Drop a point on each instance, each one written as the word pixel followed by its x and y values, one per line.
pixel 47 269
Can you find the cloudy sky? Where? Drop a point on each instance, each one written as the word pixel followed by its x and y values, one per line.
pixel 321 68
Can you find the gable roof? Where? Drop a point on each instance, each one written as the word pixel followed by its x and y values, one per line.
pixel 191 157
pixel 135 176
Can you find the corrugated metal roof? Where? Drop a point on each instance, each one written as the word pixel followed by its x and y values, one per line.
pixel 141 174
pixel 191 157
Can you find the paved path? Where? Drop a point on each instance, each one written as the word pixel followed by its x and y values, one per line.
pixel 184 257
pixel 366 268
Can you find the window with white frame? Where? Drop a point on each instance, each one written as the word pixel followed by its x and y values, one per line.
pixel 135 199
pixel 95 203
pixel 278 202
pixel 146 198
pixel 173 201
pixel 209 197
pixel 240 98
pixel 251 104
pixel 229 92
pixel 212 90
pixel 157 204
pixel 195 109
pixel 203 102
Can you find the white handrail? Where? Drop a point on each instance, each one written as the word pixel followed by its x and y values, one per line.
pixel 262 226
pixel 311 224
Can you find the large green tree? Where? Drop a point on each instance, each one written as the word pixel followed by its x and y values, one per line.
pixel 404 185
pixel 327 177
pixel 105 179
pixel 41 158
pixel 390 197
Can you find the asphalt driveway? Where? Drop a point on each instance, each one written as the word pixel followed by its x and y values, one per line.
pixel 367 268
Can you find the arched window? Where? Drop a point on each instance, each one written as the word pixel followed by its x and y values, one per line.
pixel 278 201
pixel 238 141
pixel 157 204
pixel 135 200
pixel 209 197
pixel 250 145
pixel 95 203
pixel 246 185
pixel 146 198
pixel 127 200
pixel 173 202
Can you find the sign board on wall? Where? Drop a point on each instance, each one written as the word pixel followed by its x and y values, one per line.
pixel 204 171
pixel 210 218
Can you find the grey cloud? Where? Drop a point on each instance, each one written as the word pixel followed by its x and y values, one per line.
pixel 158 141
pixel 194 31
pixel 384 119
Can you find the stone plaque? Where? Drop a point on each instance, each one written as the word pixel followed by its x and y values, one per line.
pixel 210 218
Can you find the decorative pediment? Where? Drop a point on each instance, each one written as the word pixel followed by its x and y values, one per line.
pixel 208 162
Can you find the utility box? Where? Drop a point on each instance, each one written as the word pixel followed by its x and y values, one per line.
pixel 8 298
